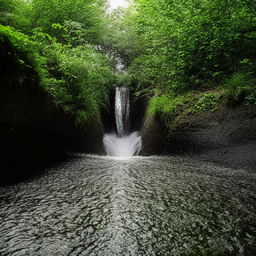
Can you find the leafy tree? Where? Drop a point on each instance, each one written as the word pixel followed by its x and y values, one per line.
pixel 20 64
pixel 57 52
pixel 120 38
pixel 193 42
pixel 87 13
pixel 6 8
pixel 170 47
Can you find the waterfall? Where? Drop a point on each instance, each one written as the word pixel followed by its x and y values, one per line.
pixel 122 110
pixel 127 146
pixel 122 144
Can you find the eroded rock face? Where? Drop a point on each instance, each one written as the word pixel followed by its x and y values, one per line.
pixel 91 138
pixel 153 136
pixel 34 132
pixel 226 136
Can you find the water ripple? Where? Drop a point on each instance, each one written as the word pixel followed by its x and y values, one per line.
pixel 138 206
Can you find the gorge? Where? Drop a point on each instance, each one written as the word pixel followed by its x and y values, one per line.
pixel 127 128
pixel 123 204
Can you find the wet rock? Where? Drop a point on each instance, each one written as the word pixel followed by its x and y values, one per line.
pixel 226 136
pixel 34 133
pixel 153 136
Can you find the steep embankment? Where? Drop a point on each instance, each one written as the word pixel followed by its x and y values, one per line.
pixel 33 132
pixel 226 137
pixel 48 104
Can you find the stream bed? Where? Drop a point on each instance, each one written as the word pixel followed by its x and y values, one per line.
pixel 93 206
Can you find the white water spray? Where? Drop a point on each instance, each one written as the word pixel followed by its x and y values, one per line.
pixel 122 144
pixel 122 110
pixel 126 146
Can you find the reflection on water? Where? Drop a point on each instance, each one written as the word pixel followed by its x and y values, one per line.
pixel 140 206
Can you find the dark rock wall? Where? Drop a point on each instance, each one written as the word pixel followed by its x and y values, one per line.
pixel 153 136
pixel 34 133
pixel 138 109
pixel 108 114
pixel 227 137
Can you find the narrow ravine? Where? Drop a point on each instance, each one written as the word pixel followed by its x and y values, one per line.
pixel 127 128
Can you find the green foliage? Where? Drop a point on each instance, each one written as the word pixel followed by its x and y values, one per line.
pixel 170 108
pixel 6 7
pixel 170 48
pixel 57 52
pixel 122 80
pixel 120 38
pixel 238 87
pixel 164 105
pixel 167 107
pixel 251 98
pixel 20 63
pixel 80 78
pixel 82 18
pixel 207 102
pixel 83 15
pixel 189 44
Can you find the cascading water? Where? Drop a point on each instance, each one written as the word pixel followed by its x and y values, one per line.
pixel 122 110
pixel 127 146
pixel 122 144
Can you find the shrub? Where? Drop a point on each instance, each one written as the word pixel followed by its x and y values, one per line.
pixel 207 102
pixel 251 98
pixel 76 78
pixel 168 106
pixel 79 79
pixel 20 62
pixel 237 88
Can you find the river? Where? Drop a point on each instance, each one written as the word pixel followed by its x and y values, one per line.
pixel 93 206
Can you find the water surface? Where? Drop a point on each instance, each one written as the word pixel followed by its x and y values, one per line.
pixel 94 206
